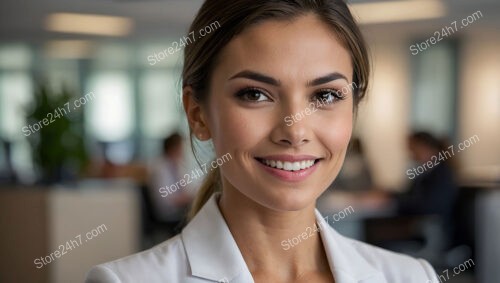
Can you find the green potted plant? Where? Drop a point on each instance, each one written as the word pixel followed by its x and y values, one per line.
pixel 55 131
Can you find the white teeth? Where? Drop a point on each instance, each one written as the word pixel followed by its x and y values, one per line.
pixel 279 164
pixel 289 166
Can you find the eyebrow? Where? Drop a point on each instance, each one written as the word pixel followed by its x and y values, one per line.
pixel 326 79
pixel 252 75
pixel 247 74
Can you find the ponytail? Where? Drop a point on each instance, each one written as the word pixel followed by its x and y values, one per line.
pixel 211 185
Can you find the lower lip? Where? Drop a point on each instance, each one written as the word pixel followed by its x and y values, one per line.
pixel 289 176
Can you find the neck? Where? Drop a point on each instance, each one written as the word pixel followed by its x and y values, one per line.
pixel 268 238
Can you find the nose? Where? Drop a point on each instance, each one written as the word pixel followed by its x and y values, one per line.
pixel 292 128
pixel 293 140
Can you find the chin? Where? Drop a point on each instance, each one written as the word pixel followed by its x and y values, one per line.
pixel 291 200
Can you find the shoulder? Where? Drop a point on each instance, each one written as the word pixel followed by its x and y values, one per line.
pixel 161 263
pixel 396 267
pixel 362 262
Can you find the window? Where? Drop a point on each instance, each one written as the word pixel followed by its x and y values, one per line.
pixel 160 103
pixel 434 90
pixel 110 115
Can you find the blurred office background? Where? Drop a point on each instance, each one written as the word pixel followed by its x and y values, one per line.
pixel 93 164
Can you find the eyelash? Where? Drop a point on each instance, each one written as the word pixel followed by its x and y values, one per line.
pixel 337 95
pixel 242 93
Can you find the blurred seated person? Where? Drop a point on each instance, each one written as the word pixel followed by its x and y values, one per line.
pixel 431 196
pixel 170 202
pixel 432 189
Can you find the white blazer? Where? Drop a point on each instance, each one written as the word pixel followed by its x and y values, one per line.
pixel 205 251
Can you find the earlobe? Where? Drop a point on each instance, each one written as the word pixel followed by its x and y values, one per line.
pixel 195 114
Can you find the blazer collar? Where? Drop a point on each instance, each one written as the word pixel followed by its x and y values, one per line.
pixel 213 253
pixel 210 247
pixel 346 263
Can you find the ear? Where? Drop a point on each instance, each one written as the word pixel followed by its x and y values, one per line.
pixel 195 114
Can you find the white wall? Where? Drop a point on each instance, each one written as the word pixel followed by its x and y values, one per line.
pixel 384 117
pixel 479 105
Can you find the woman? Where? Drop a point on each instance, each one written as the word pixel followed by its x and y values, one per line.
pixel 273 87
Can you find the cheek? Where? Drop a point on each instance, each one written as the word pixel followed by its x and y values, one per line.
pixel 338 134
pixel 234 129
pixel 341 134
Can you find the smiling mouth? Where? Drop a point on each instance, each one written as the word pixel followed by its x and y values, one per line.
pixel 287 165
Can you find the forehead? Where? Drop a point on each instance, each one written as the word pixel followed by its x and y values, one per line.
pixel 299 49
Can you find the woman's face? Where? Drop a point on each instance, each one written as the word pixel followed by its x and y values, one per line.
pixel 280 97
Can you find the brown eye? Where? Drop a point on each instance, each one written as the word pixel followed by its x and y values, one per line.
pixel 252 94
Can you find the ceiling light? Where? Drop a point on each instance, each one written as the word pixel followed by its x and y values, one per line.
pixel 397 11
pixel 88 24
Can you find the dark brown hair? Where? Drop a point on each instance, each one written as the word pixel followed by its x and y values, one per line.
pixel 234 17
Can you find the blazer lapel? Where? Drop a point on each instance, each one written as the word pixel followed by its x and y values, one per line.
pixel 346 263
pixel 208 237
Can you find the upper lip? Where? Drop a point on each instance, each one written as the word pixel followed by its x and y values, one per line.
pixel 289 158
